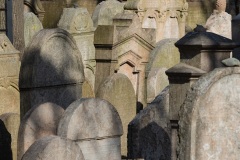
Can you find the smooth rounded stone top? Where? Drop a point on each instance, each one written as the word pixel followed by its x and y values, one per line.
pixel 31 26
pixel 51 59
pixel 54 148
pixel 40 121
pixel 90 118
pixel 105 12
pixel 76 20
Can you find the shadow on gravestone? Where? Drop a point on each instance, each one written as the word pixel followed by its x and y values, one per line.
pixel 5 143
pixel 51 70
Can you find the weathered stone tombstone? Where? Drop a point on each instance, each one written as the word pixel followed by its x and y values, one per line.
pixel 149 132
pixel 118 90
pixel 31 26
pixel 54 148
pixel 12 122
pixel 164 56
pixel 9 75
pixel 79 24
pixel 220 21
pixel 34 6
pixel 40 121
pixel 208 117
pixel 167 17
pixel 51 70
pixel 100 138
pixel 105 11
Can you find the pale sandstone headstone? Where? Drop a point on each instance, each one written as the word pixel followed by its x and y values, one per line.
pixel 96 127
pixel 209 116
pixel 5 142
pixel 12 122
pixel 149 132
pixel 79 24
pixel 51 70
pixel 38 122
pixel 31 26
pixel 164 56
pixel 9 75
pixel 105 11
pixel 54 148
pixel 118 90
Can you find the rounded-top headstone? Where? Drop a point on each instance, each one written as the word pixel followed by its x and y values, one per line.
pixel 40 121
pixel 90 118
pixel 54 148
pixel 51 59
pixel 105 12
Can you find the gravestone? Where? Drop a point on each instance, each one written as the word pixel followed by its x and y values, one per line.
pixel 105 12
pixel 208 117
pixel 54 148
pixel 12 122
pixel 38 122
pixel 118 90
pixel 149 132
pixel 34 6
pixel 168 18
pixel 31 26
pixel 9 75
pixel 79 24
pixel 164 56
pixel 51 70
pixel 96 127
pixel 220 21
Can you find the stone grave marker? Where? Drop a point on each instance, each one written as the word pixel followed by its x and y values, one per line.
pixel 118 90
pixel 149 132
pixel 51 70
pixel 96 126
pixel 78 22
pixel 105 11
pixel 209 115
pixel 12 122
pixel 9 75
pixel 54 148
pixel 164 56
pixel 31 26
pixel 40 121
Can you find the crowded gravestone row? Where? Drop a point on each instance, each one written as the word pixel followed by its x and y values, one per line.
pixel 113 80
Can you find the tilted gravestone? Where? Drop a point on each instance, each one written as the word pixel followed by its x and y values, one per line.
pixel 96 127
pixel 149 132
pixel 31 26
pixel 9 75
pixel 164 56
pixel 40 121
pixel 79 24
pixel 209 115
pixel 118 90
pixel 53 148
pixel 12 122
pixel 51 70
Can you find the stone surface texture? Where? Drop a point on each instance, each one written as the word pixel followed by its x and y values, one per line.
pixel 164 56
pixel 95 125
pixel 167 17
pixel 51 70
pixel 117 89
pixel 78 22
pixel 40 121
pixel 208 117
pixel 54 148
pixel 31 26
pixel 12 122
pixel 105 11
pixel 149 132
pixel 9 76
